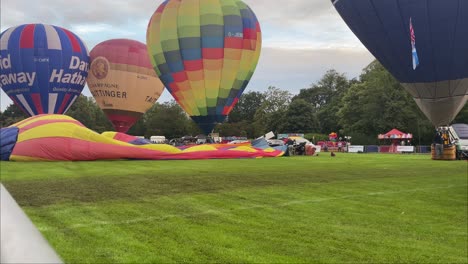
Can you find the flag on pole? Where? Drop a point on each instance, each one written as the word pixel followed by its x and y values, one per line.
pixel 413 46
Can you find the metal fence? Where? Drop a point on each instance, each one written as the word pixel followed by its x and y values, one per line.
pixel 417 149
pixel 391 149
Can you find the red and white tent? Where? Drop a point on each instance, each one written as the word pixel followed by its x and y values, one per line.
pixel 395 134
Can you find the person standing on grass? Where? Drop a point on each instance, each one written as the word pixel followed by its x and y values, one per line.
pixel 438 143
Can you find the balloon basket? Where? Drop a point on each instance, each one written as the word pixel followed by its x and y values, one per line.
pixel 445 152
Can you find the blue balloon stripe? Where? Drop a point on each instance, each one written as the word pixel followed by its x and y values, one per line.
pixel 40 41
pixel 213 42
pixel 191 54
pixel 41 67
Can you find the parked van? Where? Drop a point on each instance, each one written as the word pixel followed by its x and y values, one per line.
pixel 459 132
pixel 158 139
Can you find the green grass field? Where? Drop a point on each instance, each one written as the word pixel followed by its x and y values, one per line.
pixel 365 208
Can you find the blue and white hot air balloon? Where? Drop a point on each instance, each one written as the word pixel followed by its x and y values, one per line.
pixel 43 68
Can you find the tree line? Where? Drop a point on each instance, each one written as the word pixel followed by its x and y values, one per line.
pixel 360 108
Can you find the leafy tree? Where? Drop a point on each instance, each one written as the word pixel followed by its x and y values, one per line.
pixel 320 94
pixel 246 107
pixel 102 123
pixel 139 128
pixel 423 131
pixel 275 100
pixel 462 117
pixel 234 129
pixel 83 110
pixel 326 99
pixel 193 129
pixel 11 115
pixel 352 114
pixel 86 110
pixel 300 117
pixel 166 119
pixel 377 104
pixel 241 119
pixel 271 114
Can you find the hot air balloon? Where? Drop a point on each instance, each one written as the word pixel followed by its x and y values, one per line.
pixel 422 43
pixel 205 53
pixel 122 81
pixel 43 68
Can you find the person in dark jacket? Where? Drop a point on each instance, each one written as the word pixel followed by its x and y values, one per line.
pixel 438 143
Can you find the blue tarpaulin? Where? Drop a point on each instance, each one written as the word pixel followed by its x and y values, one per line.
pixel 8 137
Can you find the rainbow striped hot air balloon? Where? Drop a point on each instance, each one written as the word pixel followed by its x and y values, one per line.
pixel 43 68
pixel 205 53
pixel 123 81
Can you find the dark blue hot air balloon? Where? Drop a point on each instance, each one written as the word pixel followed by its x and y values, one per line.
pixel 422 43
pixel 43 68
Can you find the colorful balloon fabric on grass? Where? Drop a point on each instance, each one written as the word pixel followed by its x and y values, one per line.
pixel 43 68
pixel 205 53
pixel 60 137
pixel 122 81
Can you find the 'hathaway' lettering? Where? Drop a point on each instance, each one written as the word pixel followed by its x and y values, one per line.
pixel 76 63
pixel 60 77
pixel 5 63
pixel 20 77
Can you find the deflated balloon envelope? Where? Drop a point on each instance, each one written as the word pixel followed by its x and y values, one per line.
pixel 43 68
pixel 205 53
pixel 423 43
pixel 122 81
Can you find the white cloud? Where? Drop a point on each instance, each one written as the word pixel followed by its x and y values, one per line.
pixel 296 69
pixel 90 28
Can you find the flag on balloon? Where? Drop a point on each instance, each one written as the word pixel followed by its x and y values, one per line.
pixel 413 46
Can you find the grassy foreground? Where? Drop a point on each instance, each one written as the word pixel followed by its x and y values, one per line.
pixel 351 208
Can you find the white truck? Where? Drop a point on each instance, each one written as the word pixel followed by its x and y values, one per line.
pixel 158 139
pixel 459 132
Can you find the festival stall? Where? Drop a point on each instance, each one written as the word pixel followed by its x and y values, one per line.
pixel 399 141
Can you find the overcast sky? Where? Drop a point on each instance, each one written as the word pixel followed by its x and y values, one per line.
pixel 302 39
